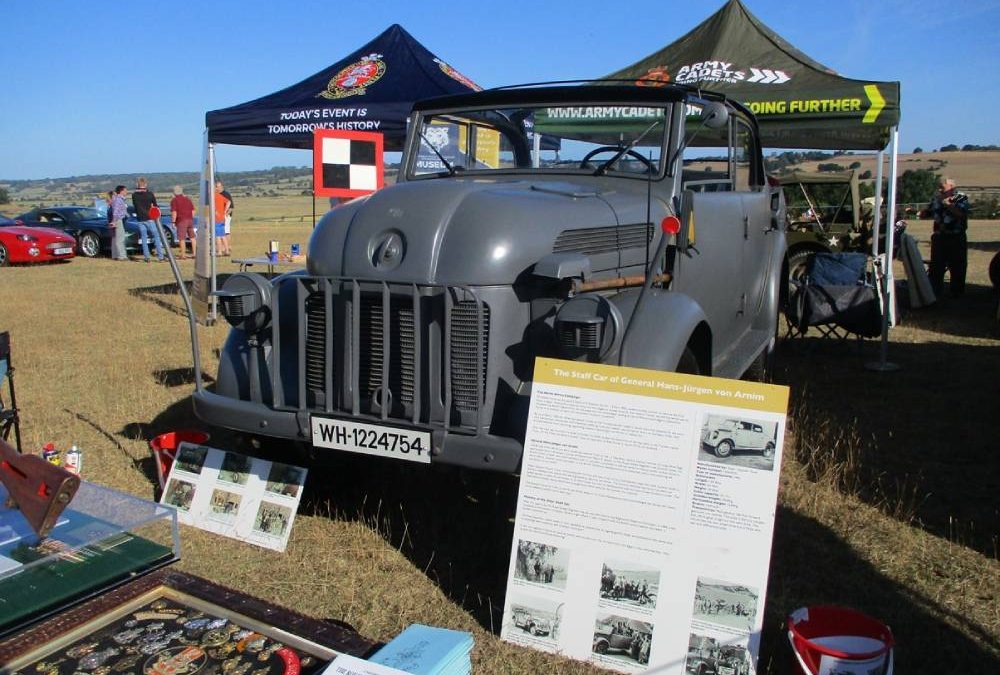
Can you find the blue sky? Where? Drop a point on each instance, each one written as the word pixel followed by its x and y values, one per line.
pixel 115 87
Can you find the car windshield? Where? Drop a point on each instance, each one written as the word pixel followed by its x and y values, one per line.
pixel 580 139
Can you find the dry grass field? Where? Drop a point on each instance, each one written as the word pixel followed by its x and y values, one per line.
pixel 888 494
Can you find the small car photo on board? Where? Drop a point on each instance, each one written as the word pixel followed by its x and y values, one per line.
pixel 726 437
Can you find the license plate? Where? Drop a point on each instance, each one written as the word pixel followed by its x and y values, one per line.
pixel 372 439
pixel 62 251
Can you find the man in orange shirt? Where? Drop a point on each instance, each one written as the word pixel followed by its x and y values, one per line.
pixel 221 208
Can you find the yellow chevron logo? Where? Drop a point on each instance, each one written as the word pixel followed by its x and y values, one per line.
pixel 875 96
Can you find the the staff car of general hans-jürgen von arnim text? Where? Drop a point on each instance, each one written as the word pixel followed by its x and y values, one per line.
pixel 617 224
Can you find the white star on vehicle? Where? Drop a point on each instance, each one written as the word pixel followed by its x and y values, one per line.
pixel 834 241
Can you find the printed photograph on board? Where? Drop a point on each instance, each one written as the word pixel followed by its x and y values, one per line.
pixel 224 505
pixel 628 583
pixel 285 479
pixel 725 603
pixel 708 655
pixel 235 468
pixel 619 638
pixel 191 458
pixel 272 519
pixel 179 493
pixel 541 564
pixel 536 617
pixel 736 441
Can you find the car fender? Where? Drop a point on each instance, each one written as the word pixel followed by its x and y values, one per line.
pixel 657 334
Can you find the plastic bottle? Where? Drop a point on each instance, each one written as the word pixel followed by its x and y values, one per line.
pixel 50 454
pixel 74 460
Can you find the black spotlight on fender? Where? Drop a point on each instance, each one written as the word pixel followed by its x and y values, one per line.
pixel 245 301
pixel 587 327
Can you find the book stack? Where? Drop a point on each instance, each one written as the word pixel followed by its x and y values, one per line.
pixel 426 650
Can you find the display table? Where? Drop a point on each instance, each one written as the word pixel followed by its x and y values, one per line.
pixel 103 538
pixel 263 260
pixel 94 597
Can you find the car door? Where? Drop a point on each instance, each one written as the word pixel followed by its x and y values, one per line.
pixel 756 220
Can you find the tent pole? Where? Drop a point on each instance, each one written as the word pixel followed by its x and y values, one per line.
pixel 877 216
pixel 314 207
pixel 884 262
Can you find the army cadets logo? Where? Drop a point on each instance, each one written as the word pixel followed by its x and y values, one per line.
pixel 355 78
pixel 457 76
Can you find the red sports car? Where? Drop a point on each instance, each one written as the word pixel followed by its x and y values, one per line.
pixel 19 244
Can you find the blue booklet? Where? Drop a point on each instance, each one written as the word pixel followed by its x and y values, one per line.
pixel 426 650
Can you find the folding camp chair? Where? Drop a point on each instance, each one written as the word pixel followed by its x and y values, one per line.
pixel 9 420
pixel 837 297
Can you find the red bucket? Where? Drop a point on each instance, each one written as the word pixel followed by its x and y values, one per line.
pixel 165 446
pixel 827 639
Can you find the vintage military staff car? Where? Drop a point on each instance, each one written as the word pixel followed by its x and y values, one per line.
pixel 615 224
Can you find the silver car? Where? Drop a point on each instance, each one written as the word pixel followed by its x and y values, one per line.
pixel 612 224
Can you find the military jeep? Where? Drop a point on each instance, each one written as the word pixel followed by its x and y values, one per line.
pixel 604 223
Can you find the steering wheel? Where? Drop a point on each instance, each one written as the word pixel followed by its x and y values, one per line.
pixel 585 162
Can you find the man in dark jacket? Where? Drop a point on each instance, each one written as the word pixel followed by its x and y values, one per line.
pixel 143 199
pixel 949 246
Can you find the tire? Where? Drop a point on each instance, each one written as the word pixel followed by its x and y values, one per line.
pixel 769 450
pixel 601 648
pixel 688 364
pixel 724 448
pixel 89 245
pixel 797 263
pixel 4 256
pixel 532 629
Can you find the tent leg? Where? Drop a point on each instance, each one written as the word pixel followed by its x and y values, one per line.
pixel 884 261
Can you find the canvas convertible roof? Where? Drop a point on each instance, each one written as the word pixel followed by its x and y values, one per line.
pixel 799 103
pixel 371 89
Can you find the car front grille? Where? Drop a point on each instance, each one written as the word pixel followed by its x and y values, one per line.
pixel 413 353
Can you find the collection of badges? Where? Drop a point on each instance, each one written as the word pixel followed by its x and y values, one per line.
pixel 166 638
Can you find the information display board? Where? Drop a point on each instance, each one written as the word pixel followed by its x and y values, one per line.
pixel 242 497
pixel 644 518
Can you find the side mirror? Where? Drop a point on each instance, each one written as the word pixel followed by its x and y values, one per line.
pixel 715 115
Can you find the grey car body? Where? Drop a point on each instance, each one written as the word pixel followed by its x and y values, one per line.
pixel 424 306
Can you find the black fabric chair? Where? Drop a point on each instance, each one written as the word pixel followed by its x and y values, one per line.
pixel 9 420
pixel 837 297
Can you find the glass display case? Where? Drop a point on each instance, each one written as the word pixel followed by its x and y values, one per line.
pixel 103 538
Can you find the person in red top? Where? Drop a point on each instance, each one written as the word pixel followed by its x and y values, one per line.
pixel 182 213
pixel 221 208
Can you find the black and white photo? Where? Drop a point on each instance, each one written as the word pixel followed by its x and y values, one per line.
pixel 541 564
pixel 728 604
pixel 191 458
pixel 629 583
pixel 622 639
pixel 737 441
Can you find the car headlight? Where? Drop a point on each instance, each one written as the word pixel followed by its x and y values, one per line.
pixel 588 326
pixel 26 237
pixel 245 301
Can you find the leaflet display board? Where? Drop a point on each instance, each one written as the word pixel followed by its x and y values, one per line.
pixel 644 518
pixel 246 498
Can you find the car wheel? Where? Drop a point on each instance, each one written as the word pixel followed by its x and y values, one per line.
pixel 89 244
pixel 601 648
pixel 798 263
pixel 769 450
pixel 688 364
pixel 4 258
pixel 533 630
pixel 724 448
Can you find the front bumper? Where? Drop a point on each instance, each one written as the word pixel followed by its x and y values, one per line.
pixel 475 451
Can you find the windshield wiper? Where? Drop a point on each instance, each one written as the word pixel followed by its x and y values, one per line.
pixel 448 166
pixel 602 169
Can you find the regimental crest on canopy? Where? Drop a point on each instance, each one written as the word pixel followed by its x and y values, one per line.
pixel 457 76
pixel 355 78
pixel 654 77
